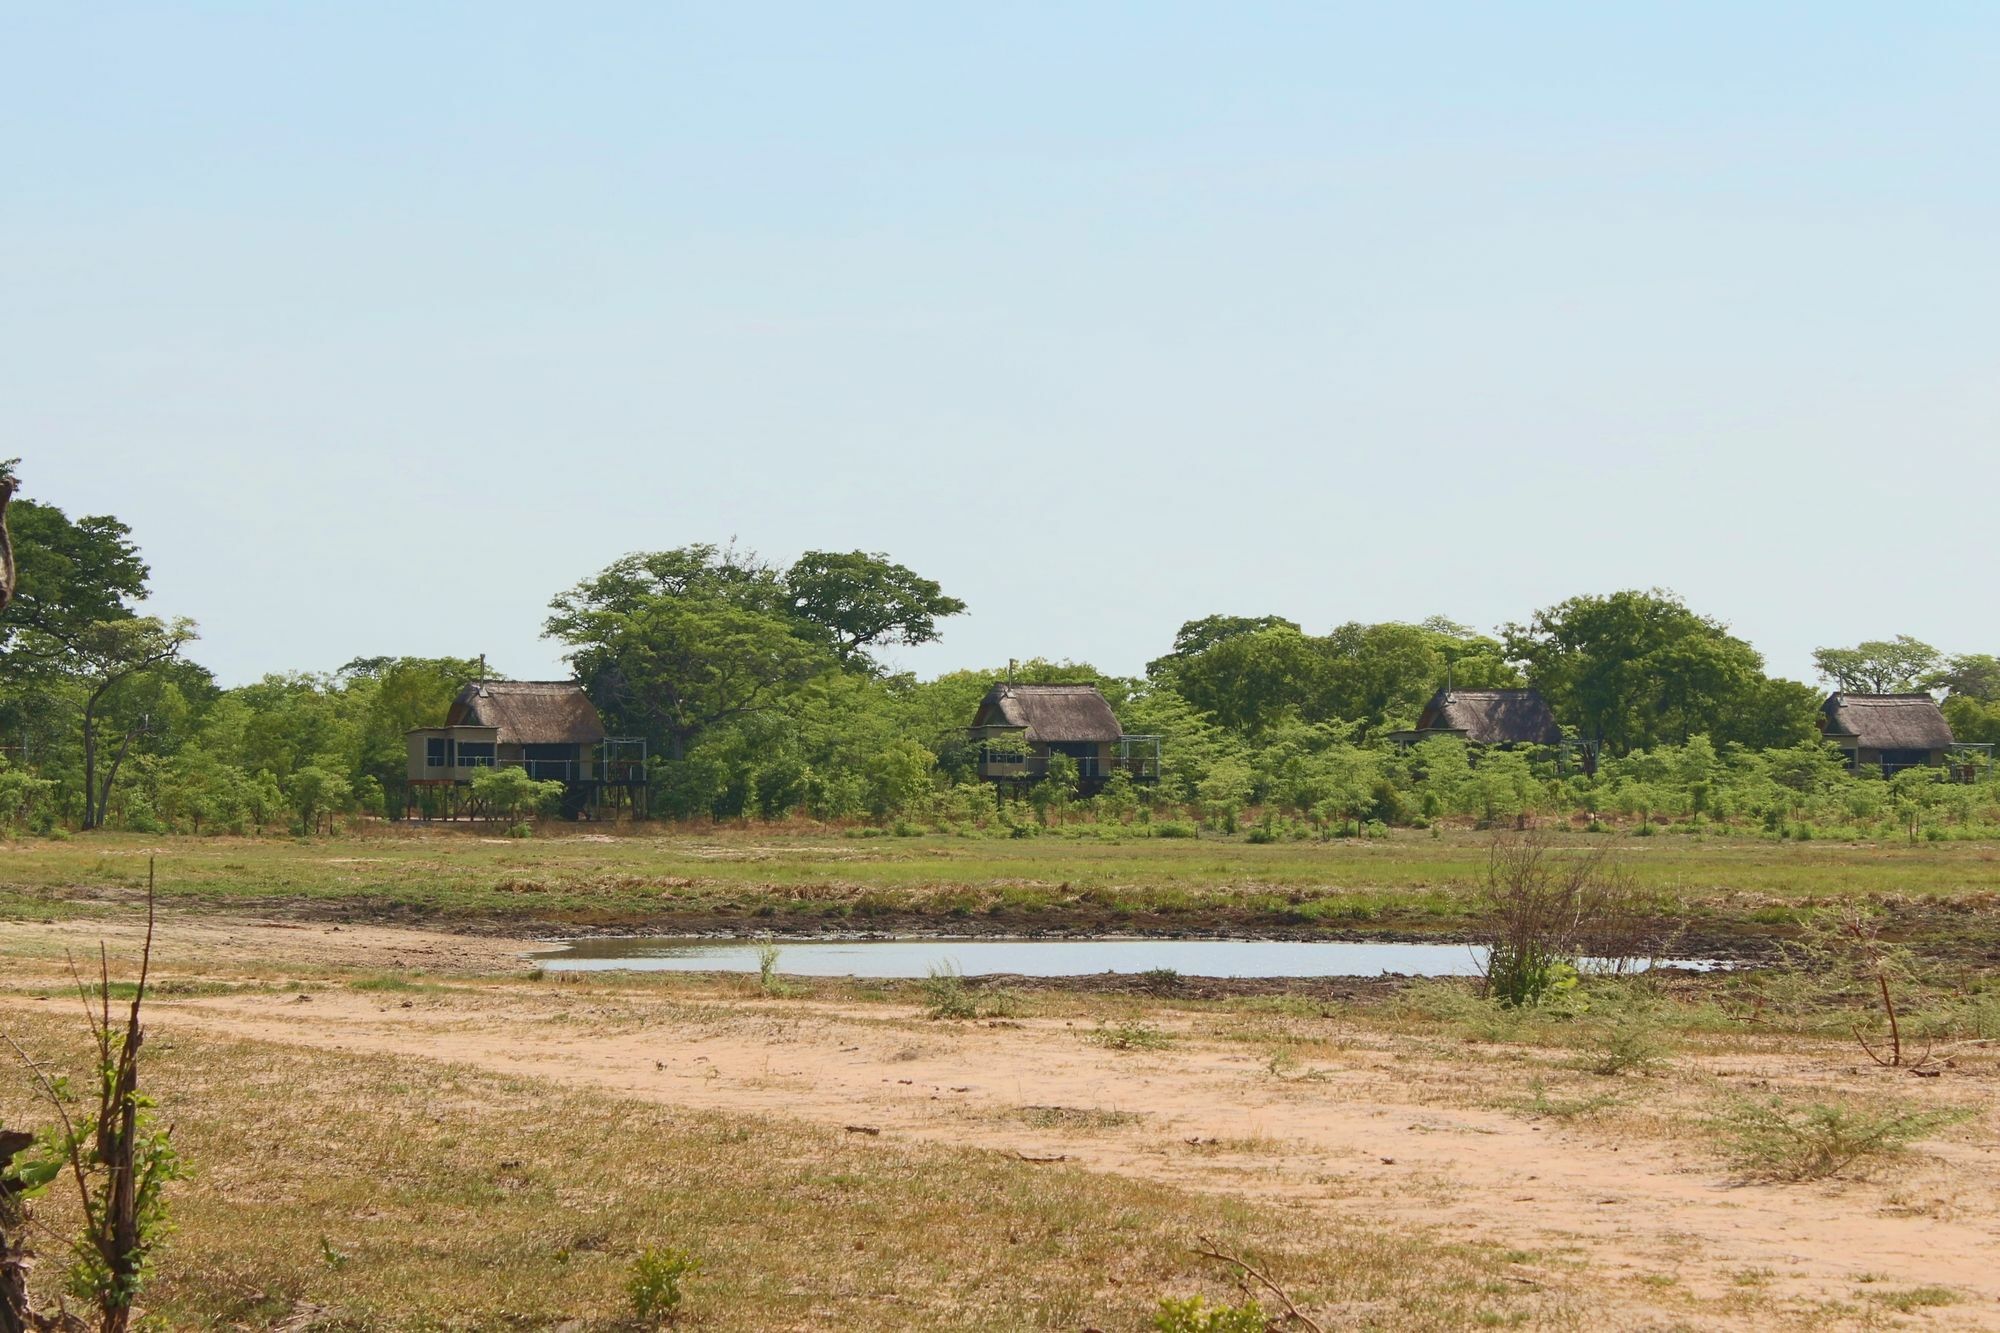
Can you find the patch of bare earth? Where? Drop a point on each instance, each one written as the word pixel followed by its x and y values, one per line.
pixel 1380 1127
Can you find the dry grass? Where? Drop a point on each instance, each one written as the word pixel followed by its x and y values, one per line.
pixel 345 1192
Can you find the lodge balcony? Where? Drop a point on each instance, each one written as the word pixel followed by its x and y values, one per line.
pixel 1006 757
pixel 450 755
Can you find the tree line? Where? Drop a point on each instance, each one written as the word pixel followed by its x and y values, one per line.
pixel 762 692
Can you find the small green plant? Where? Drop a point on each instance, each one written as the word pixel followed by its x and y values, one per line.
pixel 1132 1037
pixel 1538 1103
pixel 1776 1140
pixel 1622 1032
pixel 767 969
pixel 1916 1298
pixel 655 1284
pixel 521 830
pixel 946 995
pixel 1196 1315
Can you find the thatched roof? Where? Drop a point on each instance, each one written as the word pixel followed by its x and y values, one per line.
pixel 529 712
pixel 1050 712
pixel 1492 717
pixel 1885 721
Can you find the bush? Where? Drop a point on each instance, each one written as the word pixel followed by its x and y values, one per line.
pixel 1623 1032
pixel 944 990
pixel 768 980
pixel 655 1284
pixel 1546 911
pixel 1173 828
pixel 521 831
pixel 1196 1315
pixel 1132 1037
pixel 1774 1140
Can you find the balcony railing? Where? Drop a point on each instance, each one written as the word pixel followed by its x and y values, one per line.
pixel 1138 757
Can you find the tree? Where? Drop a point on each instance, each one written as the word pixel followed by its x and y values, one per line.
pixel 1879 666
pixel 863 601
pixel 8 574
pixel 1969 676
pixel 1382 675
pixel 71 576
pixel 1198 636
pixel 509 793
pixel 1247 682
pixel 1634 669
pixel 700 571
pixel 674 664
pixel 106 655
pixel 396 696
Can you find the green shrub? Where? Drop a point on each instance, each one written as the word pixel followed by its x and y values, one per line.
pixel 1132 1037
pixel 1173 828
pixel 655 1284
pixel 945 993
pixel 767 970
pixel 1622 1032
pixel 1776 1140
pixel 1196 1315
pixel 523 830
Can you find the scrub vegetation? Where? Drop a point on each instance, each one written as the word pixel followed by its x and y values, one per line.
pixel 761 695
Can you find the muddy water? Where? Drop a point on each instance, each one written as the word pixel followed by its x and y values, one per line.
pixel 1028 958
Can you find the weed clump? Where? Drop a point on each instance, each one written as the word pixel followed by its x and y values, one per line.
pixel 945 993
pixel 1622 1031
pixel 1776 1140
pixel 1132 1037
pixel 655 1285
pixel 1196 1315
pixel 768 981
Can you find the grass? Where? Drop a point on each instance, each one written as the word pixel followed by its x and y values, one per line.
pixel 775 879
pixel 349 1192
pixel 1772 1139
pixel 1132 1037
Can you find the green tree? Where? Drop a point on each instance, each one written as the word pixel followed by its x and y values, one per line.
pixel 72 576
pixel 1969 676
pixel 397 695
pixel 1248 682
pixel 1879 666
pixel 864 601
pixel 1198 636
pixel 105 656
pixel 1634 669
pixel 671 664
pixel 317 793
pixel 509 793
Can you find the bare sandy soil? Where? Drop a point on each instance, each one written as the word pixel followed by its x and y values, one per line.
pixel 1375 1125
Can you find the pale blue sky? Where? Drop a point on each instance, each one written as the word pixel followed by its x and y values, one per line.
pixel 381 324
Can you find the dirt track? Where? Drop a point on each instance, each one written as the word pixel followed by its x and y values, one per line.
pixel 1387 1128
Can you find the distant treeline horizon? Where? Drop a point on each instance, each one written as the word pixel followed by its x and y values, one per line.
pixel 761 693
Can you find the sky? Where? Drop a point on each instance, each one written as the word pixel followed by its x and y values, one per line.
pixel 382 324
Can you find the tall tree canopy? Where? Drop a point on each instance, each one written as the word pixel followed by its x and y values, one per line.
pixel 1250 673
pixel 1637 669
pixel 1880 666
pixel 71 575
pixel 1198 636
pixel 675 642
pixel 864 601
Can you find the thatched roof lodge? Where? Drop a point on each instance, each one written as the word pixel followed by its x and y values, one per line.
pixel 528 712
pixel 1019 727
pixel 1887 731
pixel 1486 717
pixel 549 728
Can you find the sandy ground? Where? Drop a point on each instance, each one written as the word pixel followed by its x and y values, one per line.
pixel 1385 1128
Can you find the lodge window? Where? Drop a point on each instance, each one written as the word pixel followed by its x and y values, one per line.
pixel 475 754
pixel 437 752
